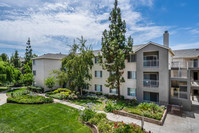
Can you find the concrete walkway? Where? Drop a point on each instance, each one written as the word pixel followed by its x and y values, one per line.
pixel 3 97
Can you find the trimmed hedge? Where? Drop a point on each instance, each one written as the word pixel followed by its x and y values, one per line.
pixel 29 99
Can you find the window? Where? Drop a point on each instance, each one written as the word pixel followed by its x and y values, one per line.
pixel 98 88
pixel 111 73
pixel 151 80
pixel 98 74
pixel 34 72
pixel 131 92
pixel 131 75
pixel 96 60
pixel 114 91
pixel 132 58
pixel 33 62
pixel 151 96
pixel 86 87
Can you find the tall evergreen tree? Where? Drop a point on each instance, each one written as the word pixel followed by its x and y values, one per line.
pixel 15 60
pixel 28 54
pixel 115 49
pixel 4 57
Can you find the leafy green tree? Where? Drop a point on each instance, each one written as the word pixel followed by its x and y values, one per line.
pixel 27 79
pixel 61 77
pixel 115 48
pixel 50 82
pixel 28 54
pixel 78 65
pixel 4 57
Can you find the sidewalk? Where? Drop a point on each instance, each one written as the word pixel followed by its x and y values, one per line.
pixel 3 97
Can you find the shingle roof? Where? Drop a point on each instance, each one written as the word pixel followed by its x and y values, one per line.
pixel 51 56
pixel 186 53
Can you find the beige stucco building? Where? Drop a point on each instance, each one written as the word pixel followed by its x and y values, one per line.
pixel 152 73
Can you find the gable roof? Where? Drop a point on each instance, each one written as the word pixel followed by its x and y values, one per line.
pixel 139 47
pixel 186 53
pixel 51 56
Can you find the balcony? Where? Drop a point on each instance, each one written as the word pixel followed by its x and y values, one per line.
pixel 151 63
pixel 151 83
pixel 185 64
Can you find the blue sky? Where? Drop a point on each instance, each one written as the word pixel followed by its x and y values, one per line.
pixel 52 24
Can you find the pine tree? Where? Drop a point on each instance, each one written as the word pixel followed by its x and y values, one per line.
pixel 115 49
pixel 28 54
pixel 15 60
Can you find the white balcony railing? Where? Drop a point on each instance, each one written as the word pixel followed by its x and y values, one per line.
pixel 151 83
pixel 151 63
pixel 185 64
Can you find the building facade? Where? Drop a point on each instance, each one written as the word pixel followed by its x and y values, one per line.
pixel 153 73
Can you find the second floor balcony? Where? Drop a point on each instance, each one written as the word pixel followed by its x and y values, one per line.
pixel 151 83
pixel 151 63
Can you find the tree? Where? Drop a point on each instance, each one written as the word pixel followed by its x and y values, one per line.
pixel 28 54
pixel 15 60
pixel 115 49
pixel 4 57
pixel 28 79
pixel 78 65
pixel 50 82
pixel 61 77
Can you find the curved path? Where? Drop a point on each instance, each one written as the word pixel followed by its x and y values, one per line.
pixel 3 97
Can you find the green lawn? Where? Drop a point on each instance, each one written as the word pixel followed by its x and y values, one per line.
pixel 45 118
pixel 3 88
pixel 18 90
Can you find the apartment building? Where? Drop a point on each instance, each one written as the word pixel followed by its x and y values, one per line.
pixel 153 73
pixel 184 78
pixel 43 66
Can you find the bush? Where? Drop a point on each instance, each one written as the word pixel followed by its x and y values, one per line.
pixel 121 127
pixel 59 90
pixel 36 89
pixel 104 126
pixel 110 106
pixel 29 99
pixel 87 114
pixel 97 118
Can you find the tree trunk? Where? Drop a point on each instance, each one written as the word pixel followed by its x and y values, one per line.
pixel 118 84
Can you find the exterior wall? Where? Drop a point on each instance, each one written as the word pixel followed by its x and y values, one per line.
pixel 129 83
pixel 163 71
pixel 43 68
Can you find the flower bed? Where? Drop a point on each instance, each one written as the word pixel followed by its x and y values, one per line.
pixel 29 99
pixel 104 125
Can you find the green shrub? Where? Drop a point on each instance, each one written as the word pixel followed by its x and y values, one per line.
pixel 36 89
pixel 97 118
pixel 110 106
pixel 29 99
pixel 104 126
pixel 62 90
pixel 87 114
pixel 57 96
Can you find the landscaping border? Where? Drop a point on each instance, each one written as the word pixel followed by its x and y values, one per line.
pixel 158 122
pixel 89 125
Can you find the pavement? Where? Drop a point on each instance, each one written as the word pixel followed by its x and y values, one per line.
pixel 3 97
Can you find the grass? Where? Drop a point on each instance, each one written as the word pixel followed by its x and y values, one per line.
pixel 99 104
pixel 3 88
pixel 18 90
pixel 45 118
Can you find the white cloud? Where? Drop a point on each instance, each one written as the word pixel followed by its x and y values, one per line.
pixel 71 19
pixel 185 46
